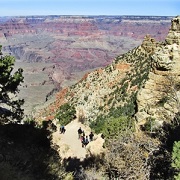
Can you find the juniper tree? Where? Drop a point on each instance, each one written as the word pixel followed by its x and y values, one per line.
pixel 10 105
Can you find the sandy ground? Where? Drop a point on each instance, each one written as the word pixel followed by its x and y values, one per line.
pixel 69 144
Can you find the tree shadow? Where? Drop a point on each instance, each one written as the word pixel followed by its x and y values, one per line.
pixel 73 164
pixel 25 153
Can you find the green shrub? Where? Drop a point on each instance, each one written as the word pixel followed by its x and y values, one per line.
pixel 98 124
pixel 115 126
pixel 66 114
pixel 128 109
pixel 112 127
pixel 176 158
pixel 149 125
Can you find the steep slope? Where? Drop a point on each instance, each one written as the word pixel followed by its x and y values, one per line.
pixel 56 51
pixel 112 91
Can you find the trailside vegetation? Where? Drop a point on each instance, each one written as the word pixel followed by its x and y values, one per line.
pixel 66 114
pixel 112 127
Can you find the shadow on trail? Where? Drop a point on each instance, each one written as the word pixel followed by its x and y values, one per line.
pixel 77 166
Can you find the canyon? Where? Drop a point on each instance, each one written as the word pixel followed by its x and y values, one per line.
pixel 56 51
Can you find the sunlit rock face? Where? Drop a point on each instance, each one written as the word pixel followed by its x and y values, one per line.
pixel 174 33
pixel 160 97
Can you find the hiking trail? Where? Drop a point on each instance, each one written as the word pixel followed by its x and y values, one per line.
pixel 70 146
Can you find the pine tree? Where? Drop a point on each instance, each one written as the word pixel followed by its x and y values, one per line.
pixel 10 105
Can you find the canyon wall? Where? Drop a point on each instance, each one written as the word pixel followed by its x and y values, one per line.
pixel 56 51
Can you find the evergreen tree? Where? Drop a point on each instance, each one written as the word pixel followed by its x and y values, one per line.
pixel 10 105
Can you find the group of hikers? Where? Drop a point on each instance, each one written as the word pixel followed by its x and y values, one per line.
pixel 84 138
pixel 81 135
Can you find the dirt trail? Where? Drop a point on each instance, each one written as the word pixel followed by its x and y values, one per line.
pixel 69 144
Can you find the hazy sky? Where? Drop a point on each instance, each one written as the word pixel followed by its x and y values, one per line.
pixel 90 7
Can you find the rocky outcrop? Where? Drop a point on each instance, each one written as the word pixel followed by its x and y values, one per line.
pixel 174 33
pixel 160 97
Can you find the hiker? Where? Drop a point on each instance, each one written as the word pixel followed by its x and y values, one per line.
pixel 62 129
pixel 86 141
pixel 79 133
pixel 91 135
pixel 83 140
